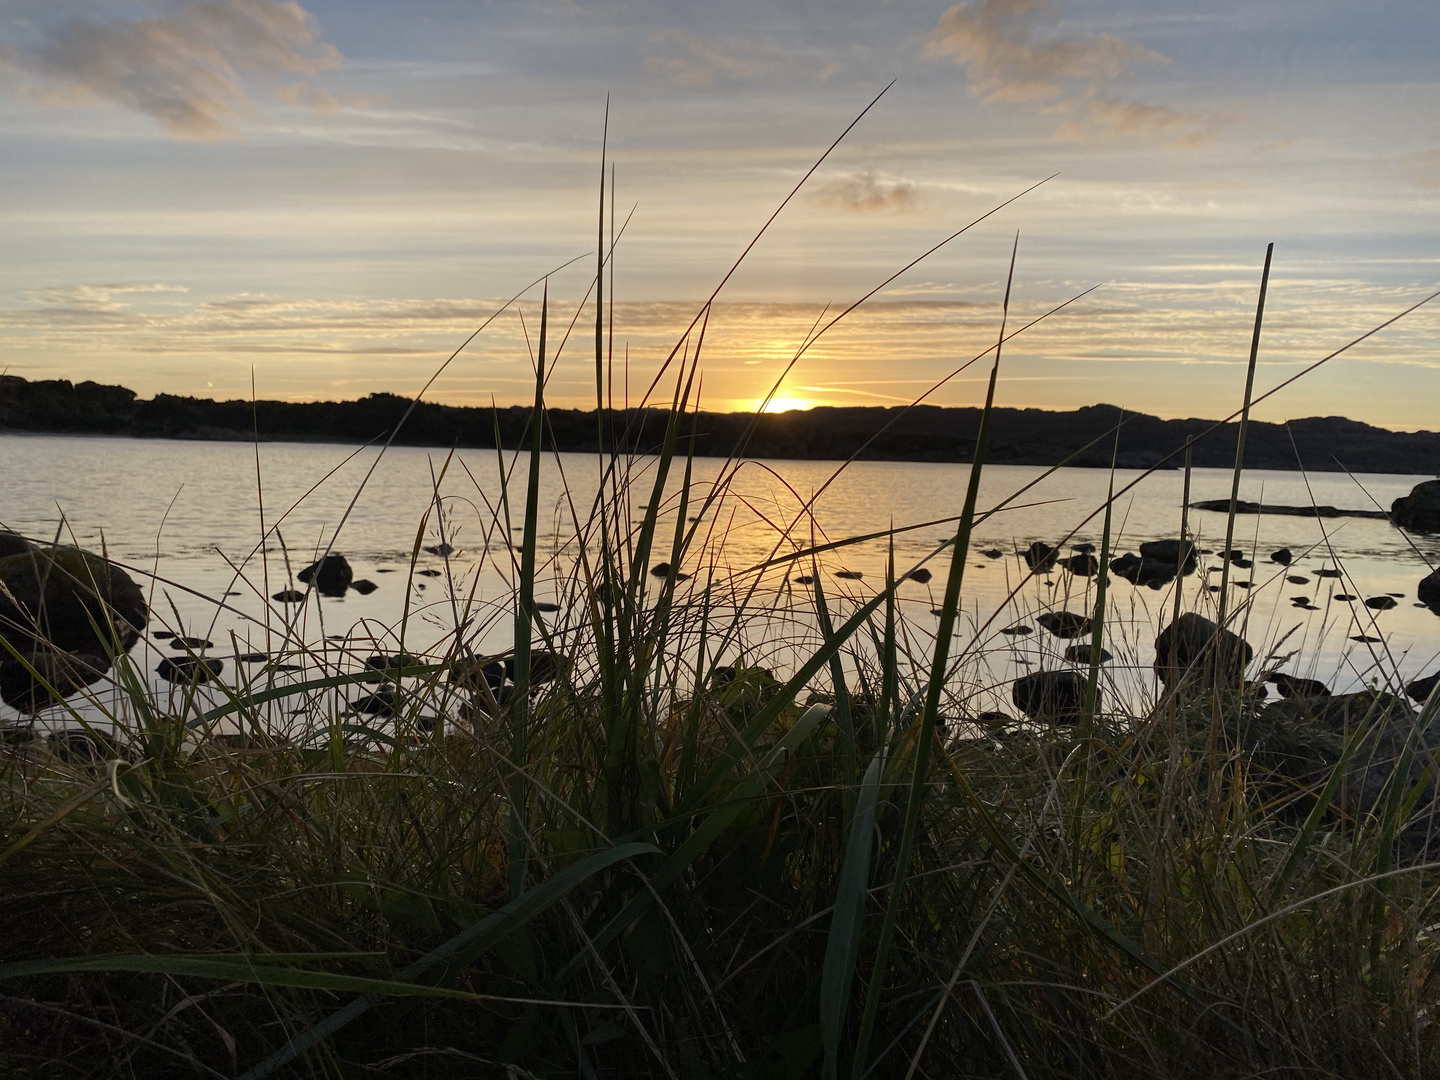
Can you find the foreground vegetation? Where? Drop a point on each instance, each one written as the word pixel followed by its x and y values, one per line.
pixel 634 846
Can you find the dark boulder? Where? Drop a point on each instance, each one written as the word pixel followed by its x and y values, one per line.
pixel 991 553
pixel 921 575
pixel 1041 557
pixel 1083 565
pixel 472 674
pixel 849 575
pixel 1297 579
pixel 1082 654
pixel 1171 551
pixel 380 703
pixel 1064 624
pixel 1421 689
pixel 65 673
pixel 1152 573
pixel 440 549
pixel 1056 696
pixel 1420 510
pixel 387 662
pixel 1381 603
pixel 188 669
pixel 1299 741
pixel 1428 591
pixel 289 596
pixel 12 544
pixel 1291 687
pixel 545 666
pixel 1194 646
pixel 364 586
pixel 1328 572
pixel 1284 557
pixel 331 575
pixel 57 597
pixel 178 642
pixel 1018 630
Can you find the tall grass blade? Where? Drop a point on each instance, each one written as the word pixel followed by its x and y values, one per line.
pixel 842 946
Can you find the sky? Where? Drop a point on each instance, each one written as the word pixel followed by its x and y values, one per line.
pixel 329 198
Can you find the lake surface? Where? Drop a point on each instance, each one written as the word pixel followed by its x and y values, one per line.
pixel 190 514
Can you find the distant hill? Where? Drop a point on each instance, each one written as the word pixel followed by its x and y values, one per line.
pixel 923 433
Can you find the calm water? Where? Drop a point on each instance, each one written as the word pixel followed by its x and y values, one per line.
pixel 190 513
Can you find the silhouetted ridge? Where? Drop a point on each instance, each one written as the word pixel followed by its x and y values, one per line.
pixel 923 433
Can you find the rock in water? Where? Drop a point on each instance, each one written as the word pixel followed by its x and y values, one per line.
pixel 1064 624
pixel 54 598
pixel 660 569
pixel 1428 591
pixel 1291 687
pixel 1041 557
pixel 188 669
pixel 1193 645
pixel 849 575
pixel 66 673
pixel 1018 630
pixel 364 586
pixel 1082 654
pixel 1420 510
pixel 473 673
pixel 1139 571
pixel 332 575
pixel 991 553
pixel 440 549
pixel 1421 689
pixel 1057 696
pixel 1181 556
pixel 380 703
pixel 920 574
pixel 1083 565
pixel 289 596
pixel 1381 603
pixel 545 666
pixel 1284 557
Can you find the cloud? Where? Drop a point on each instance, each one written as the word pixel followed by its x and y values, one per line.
pixel 862 193
pixel 186 69
pixel 1006 62
pixel 701 62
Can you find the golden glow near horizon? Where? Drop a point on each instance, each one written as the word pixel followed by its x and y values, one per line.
pixel 336 200
pixel 786 404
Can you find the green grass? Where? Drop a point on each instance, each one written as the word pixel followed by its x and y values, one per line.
pixel 656 859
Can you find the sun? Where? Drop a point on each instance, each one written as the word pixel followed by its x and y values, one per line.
pixel 785 404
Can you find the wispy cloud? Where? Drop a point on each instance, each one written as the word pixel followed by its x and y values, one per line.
pixel 697 61
pixel 864 193
pixel 1006 61
pixel 187 69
